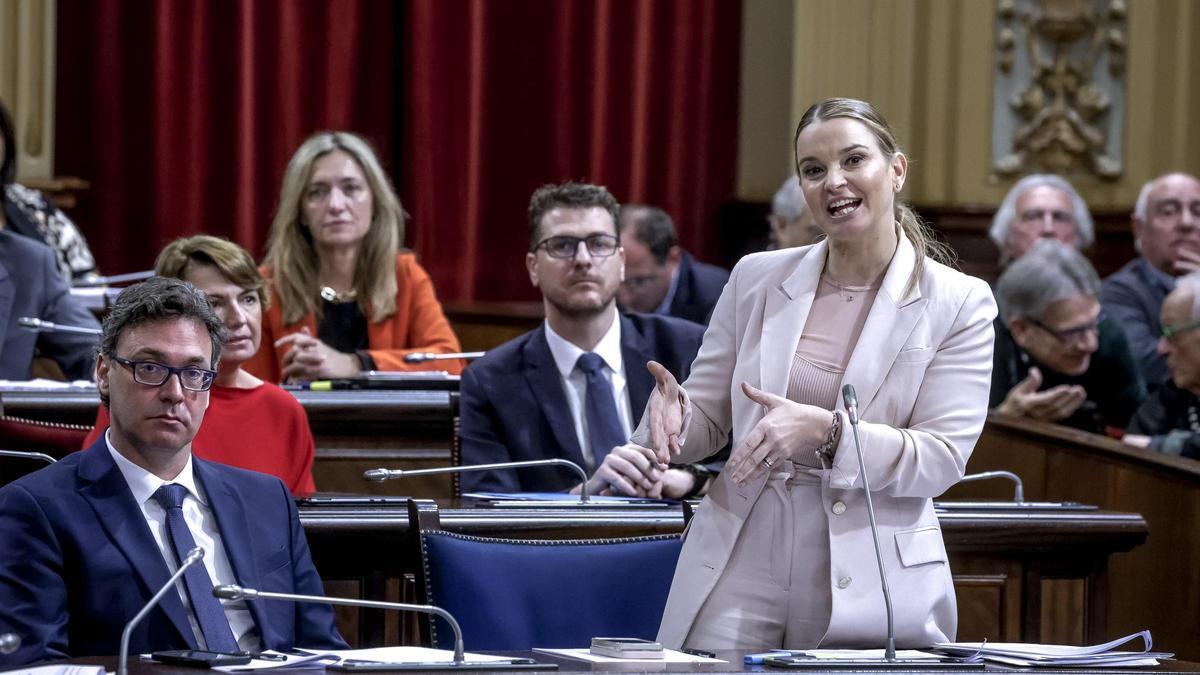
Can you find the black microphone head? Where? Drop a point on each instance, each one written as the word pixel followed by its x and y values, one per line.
pixel 848 396
pixel 377 474
pixel 229 592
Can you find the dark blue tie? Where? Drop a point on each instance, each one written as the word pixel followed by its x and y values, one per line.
pixel 604 425
pixel 218 636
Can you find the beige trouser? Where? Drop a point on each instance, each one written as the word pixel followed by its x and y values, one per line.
pixel 775 591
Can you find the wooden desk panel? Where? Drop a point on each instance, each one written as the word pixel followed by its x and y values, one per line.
pixel 1156 586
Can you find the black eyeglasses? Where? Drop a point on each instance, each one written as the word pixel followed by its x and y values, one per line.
pixel 1169 332
pixel 566 248
pixel 1072 335
pixel 154 374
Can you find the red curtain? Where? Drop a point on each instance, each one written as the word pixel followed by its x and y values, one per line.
pixel 183 113
pixel 638 95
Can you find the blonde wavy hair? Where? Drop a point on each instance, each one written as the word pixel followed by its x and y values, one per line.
pixel 231 260
pixel 293 258
pixel 922 237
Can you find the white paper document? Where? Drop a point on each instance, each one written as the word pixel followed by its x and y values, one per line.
pixel 377 654
pixel 584 654
pixel 1028 654
pixel 57 670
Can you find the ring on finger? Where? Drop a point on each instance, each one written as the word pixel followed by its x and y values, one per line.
pixel 766 461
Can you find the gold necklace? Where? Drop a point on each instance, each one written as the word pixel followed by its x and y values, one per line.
pixel 330 295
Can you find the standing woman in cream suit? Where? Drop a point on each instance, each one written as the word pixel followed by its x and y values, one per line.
pixel 780 552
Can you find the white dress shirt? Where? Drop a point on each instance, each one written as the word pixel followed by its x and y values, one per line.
pixel 566 355
pixel 203 525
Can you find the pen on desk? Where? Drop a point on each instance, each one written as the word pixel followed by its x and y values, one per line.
pixel 757 659
pixel 698 652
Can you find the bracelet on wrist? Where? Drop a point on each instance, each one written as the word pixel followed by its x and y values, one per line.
pixel 826 451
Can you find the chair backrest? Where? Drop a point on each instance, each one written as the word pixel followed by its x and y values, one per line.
pixel 516 594
pixel 53 438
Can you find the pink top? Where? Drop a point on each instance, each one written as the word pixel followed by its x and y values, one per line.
pixel 834 323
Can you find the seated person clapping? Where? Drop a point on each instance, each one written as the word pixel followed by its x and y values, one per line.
pixel 1169 420
pixel 346 298
pixel 250 423
pixel 1057 357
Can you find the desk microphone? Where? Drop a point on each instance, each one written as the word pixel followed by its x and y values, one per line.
pixel 114 279
pixel 851 401
pixel 37 325
pixel 22 454
pixel 194 556
pixel 235 592
pixel 389 474
pixel 422 357
pixel 1018 490
pixel 9 642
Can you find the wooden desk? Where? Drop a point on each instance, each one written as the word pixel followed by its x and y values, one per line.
pixel 998 559
pixel 1156 586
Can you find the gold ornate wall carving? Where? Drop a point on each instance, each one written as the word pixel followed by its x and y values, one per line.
pixel 27 44
pixel 1059 87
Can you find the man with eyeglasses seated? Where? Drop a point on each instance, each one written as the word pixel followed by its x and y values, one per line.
pixel 1169 419
pixel 575 388
pixel 661 277
pixel 1040 206
pixel 1057 358
pixel 89 540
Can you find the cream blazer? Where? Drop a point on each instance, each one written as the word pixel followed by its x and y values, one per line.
pixel 921 369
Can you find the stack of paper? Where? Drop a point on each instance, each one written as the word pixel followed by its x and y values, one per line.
pixel 1025 655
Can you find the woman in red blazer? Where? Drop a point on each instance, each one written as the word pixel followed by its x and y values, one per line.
pixel 347 299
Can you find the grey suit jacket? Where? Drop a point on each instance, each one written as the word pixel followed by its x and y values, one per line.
pixel 31 285
pixel 921 368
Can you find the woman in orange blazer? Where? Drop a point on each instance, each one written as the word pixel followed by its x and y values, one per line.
pixel 347 298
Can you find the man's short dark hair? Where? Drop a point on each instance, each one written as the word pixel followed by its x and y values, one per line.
pixel 570 196
pixel 160 299
pixel 653 227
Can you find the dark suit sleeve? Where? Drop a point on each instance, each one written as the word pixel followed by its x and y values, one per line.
pixel 481 437
pixel 315 626
pixel 72 352
pixel 33 598
pixel 1128 377
pixel 1132 310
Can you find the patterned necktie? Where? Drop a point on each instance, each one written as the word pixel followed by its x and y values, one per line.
pixel 604 425
pixel 218 636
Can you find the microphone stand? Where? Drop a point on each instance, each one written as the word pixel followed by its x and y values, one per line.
pixel 389 474
pixel 37 325
pixel 114 279
pixel 1018 491
pixel 22 454
pixel 194 556
pixel 235 592
pixel 422 357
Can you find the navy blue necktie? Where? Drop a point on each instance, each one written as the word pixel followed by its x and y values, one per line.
pixel 604 425
pixel 218 636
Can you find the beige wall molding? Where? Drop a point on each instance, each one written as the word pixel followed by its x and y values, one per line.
pixel 1059 98
pixel 27 49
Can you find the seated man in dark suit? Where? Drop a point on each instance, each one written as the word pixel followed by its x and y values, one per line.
pixel 576 387
pixel 1057 357
pixel 661 277
pixel 32 286
pixel 88 540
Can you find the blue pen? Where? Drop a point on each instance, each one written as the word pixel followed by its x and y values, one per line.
pixel 757 659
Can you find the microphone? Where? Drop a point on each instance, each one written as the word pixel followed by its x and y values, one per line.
pixel 850 399
pixel 1018 491
pixel 235 592
pixel 37 325
pixel 22 454
pixel 379 475
pixel 114 279
pixel 422 357
pixel 9 642
pixel 194 556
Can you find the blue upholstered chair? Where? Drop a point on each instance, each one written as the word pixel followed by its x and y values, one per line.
pixel 516 594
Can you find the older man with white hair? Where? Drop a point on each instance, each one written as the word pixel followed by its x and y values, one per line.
pixel 1169 420
pixel 792 223
pixel 1166 230
pixel 1040 206
pixel 1057 357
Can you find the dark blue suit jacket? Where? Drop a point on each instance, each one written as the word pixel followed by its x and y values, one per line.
pixel 1134 297
pixel 697 290
pixel 78 561
pixel 31 285
pixel 513 407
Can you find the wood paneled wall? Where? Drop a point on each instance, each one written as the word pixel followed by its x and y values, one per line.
pixel 928 65
pixel 27 44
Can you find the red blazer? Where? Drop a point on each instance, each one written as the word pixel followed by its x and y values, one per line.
pixel 417 326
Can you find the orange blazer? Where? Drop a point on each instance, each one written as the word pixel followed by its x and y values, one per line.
pixel 417 326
